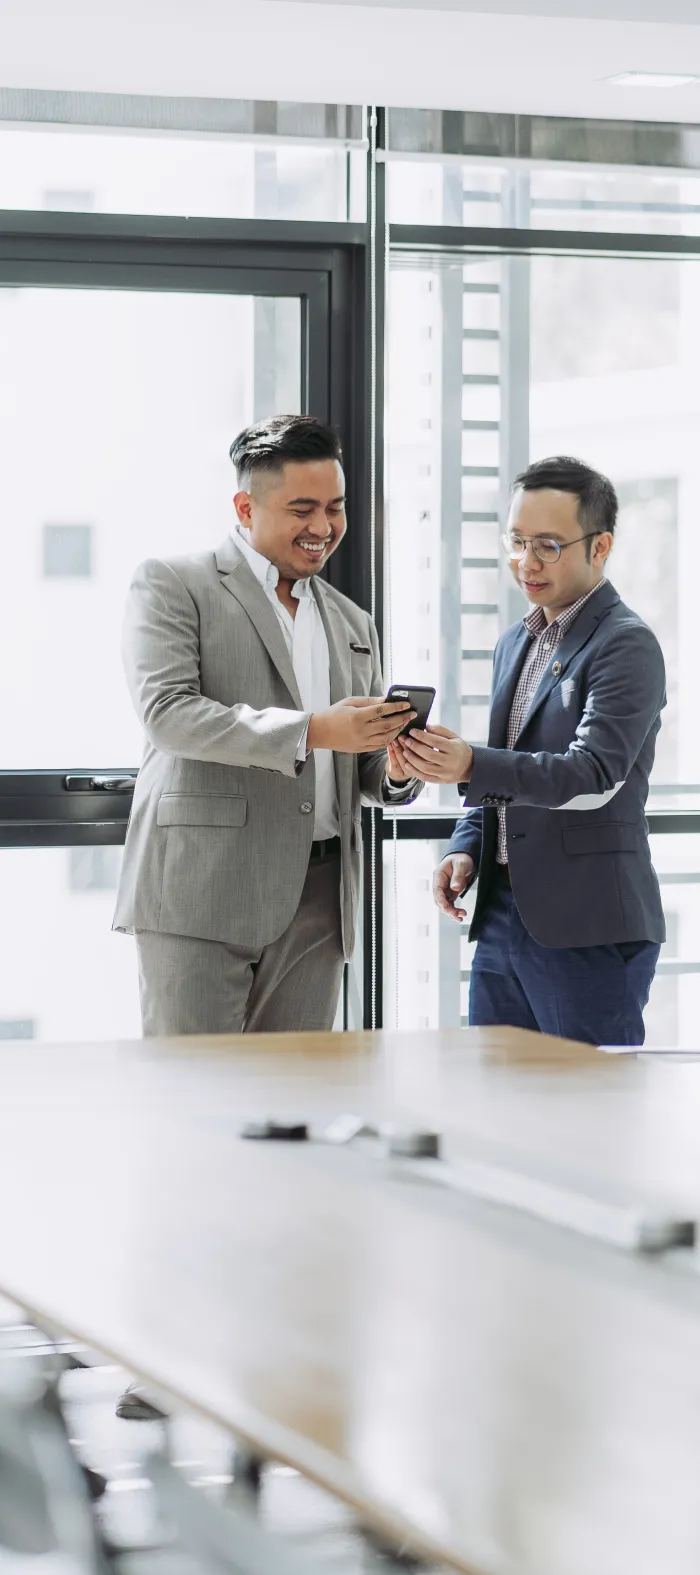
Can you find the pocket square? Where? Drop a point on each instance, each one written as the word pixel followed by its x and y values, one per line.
pixel 360 650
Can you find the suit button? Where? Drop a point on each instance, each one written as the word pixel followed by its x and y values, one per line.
pixel 306 808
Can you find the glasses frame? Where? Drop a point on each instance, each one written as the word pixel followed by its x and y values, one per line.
pixel 531 541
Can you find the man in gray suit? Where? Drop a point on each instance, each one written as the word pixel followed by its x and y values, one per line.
pixel 259 689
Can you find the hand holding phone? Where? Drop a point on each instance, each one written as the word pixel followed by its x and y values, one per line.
pixel 420 698
pixel 358 725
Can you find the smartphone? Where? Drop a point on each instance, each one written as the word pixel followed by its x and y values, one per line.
pixel 420 699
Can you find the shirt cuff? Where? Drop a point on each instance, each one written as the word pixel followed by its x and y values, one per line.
pixel 395 790
pixel 302 749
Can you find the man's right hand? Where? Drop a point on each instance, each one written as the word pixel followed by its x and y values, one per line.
pixel 450 880
pixel 358 725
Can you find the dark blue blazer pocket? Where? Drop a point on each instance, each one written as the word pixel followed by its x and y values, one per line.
pixel 613 837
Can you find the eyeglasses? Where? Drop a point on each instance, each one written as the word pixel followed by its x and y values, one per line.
pixel 544 547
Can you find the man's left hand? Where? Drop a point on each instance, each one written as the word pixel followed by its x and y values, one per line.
pixel 397 767
pixel 437 755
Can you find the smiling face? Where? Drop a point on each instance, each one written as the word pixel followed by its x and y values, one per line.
pixel 296 516
pixel 554 515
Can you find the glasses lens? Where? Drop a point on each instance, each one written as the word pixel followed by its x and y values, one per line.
pixel 543 547
pixel 547 551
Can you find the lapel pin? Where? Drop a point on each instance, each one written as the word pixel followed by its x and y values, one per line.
pixel 556 669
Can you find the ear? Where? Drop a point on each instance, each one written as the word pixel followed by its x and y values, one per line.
pixel 242 505
pixel 602 547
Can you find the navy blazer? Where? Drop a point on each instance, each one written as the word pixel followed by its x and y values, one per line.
pixel 575 784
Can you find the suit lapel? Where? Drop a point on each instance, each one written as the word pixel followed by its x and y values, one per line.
pixel 578 636
pixel 504 690
pixel 237 577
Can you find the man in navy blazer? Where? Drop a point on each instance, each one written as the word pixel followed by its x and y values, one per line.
pixel 568 913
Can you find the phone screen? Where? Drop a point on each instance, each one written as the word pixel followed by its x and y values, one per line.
pixel 420 698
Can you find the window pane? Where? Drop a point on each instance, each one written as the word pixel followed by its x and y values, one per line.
pixel 94 869
pixel 619 390
pixel 595 357
pixel 65 975
pixel 634 201
pixel 118 411
pixel 423 950
pixel 428 191
pixel 430 955
pixel 76 170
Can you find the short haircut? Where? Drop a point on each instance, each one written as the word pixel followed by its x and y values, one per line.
pixel 597 498
pixel 270 445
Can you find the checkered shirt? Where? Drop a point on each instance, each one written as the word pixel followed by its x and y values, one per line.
pixel 545 639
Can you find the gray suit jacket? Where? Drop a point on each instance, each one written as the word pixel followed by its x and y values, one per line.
pixel 222 822
pixel 575 784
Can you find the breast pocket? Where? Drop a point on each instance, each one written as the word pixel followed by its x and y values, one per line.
pixel 361 669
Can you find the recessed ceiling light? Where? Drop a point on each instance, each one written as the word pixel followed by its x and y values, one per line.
pixel 652 79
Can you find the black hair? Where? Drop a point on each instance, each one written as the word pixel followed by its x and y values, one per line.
pixel 270 445
pixel 597 498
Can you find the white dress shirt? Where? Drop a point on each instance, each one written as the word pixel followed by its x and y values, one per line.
pixel 307 644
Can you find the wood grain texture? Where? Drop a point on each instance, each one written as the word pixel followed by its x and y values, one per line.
pixel 503 1396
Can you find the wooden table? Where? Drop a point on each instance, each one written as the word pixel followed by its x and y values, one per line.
pixel 511 1399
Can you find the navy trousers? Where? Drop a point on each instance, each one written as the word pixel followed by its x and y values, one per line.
pixel 592 993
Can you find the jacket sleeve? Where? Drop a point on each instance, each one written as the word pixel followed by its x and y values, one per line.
pixel 161 658
pixel 626 692
pixel 374 788
pixel 467 835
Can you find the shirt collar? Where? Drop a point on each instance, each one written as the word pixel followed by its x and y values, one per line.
pixel 267 573
pixel 536 623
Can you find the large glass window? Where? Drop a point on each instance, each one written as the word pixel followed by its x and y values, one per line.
pixel 118 407
pixel 494 361
pixel 118 410
pixel 120 390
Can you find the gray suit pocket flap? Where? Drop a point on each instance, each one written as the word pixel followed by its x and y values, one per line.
pixel 613 837
pixel 202 809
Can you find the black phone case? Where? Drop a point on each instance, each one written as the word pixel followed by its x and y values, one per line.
pixel 398 691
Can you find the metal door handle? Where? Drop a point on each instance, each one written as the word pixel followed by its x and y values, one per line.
pixel 88 784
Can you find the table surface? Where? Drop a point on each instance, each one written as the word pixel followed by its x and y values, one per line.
pixel 504 1396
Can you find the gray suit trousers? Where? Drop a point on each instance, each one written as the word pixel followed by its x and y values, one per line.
pixel 191 986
